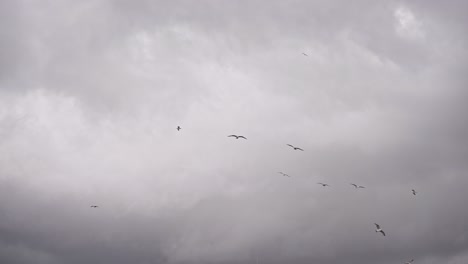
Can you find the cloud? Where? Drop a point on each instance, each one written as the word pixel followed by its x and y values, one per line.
pixel 91 93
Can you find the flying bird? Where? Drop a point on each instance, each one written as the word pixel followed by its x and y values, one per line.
pixel 357 186
pixel 378 229
pixel 323 184
pixel 295 148
pixel 94 206
pixel 414 192
pixel 409 262
pixel 178 128
pixel 305 54
pixel 284 174
pixel 237 137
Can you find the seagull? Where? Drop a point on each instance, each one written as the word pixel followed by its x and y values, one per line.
pixel 178 128
pixel 414 192
pixel 295 148
pixel 323 184
pixel 357 186
pixel 378 229
pixel 305 54
pixel 237 137
pixel 409 262
pixel 94 206
pixel 284 174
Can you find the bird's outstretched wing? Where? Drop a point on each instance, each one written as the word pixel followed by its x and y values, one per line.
pixel 298 149
pixel 383 233
pixel 360 186
pixel 232 136
pixel 242 137
pixel 354 185
pixel 290 145
pixel 377 226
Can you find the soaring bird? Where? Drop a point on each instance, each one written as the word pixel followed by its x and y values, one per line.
pixel 94 206
pixel 295 148
pixel 409 262
pixel 178 128
pixel 284 174
pixel 414 192
pixel 357 186
pixel 323 184
pixel 378 229
pixel 237 137
pixel 305 54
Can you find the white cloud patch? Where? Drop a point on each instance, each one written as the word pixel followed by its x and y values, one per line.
pixel 407 25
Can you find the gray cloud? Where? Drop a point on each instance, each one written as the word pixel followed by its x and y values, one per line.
pixel 91 93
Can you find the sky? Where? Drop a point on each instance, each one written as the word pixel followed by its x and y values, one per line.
pixel 91 93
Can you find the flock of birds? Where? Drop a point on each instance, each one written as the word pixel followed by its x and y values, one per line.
pixel 378 229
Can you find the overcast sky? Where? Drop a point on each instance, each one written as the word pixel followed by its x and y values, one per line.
pixel 91 93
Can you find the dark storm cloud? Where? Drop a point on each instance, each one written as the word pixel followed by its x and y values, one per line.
pixel 91 93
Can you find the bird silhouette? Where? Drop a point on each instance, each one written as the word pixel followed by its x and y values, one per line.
pixel 94 206
pixel 237 137
pixel 323 184
pixel 357 186
pixel 178 128
pixel 414 192
pixel 305 54
pixel 295 148
pixel 378 229
pixel 409 262
pixel 284 174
